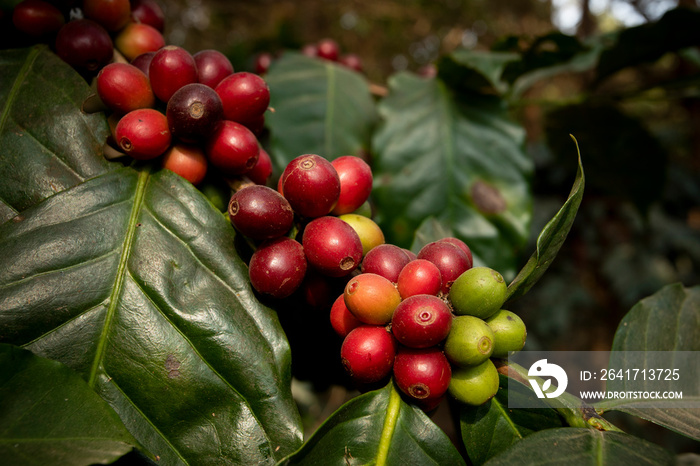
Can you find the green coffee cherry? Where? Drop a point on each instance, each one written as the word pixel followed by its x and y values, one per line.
pixel 474 385
pixel 479 292
pixel 470 341
pixel 509 331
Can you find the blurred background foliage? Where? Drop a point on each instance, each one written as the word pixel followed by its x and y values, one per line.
pixel 634 109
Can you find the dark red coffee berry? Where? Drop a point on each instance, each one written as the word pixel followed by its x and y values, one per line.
pixel 123 88
pixel 143 61
pixel 386 260
pixel 148 12
pixel 368 353
pixel 277 267
pixel 245 96
pixel 419 276
pixel 37 18
pixel 263 61
pixel 422 374
pixel 328 49
pixel 171 68
pixel 262 170
pixel 232 148
pixel 212 66
pixel 259 212
pixel 332 246
pixel 461 245
pixel 421 321
pixel 143 133
pixel 449 259
pixel 311 185
pixel 193 112
pixel 186 160
pixel 110 14
pixel 355 183
pixel 84 44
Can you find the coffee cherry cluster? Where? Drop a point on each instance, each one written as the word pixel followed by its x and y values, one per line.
pixel 324 49
pixel 432 321
pixel 193 110
pixel 85 35
pixel 306 223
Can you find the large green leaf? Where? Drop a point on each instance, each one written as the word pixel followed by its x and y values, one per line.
pixel 550 239
pixel 132 280
pixel 581 446
pixel 46 143
pixel 320 107
pixel 459 161
pixel 475 70
pixel 493 427
pixel 49 415
pixel 666 321
pixel 379 428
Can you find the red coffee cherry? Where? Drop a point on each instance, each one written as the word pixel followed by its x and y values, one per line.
pixel 355 183
pixel 342 320
pixel 332 247
pixel 259 212
pixel 311 185
pixel 110 14
pixel 148 12
pixel 124 87
pixel 143 133
pixel 368 353
pixel 449 259
pixel 37 18
pixel 188 161
pixel 422 374
pixel 352 61
pixel 171 68
pixel 419 276
pixel 386 260
pixel 277 267
pixel 138 38
pixel 213 66
pixel 84 44
pixel 245 96
pixel 263 61
pixel 143 62
pixel 461 245
pixel 328 49
pixel 262 170
pixel 193 112
pixel 232 148
pixel 421 321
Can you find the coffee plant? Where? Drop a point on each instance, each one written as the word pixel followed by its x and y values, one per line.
pixel 181 240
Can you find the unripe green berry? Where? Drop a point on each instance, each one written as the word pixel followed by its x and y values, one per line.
pixel 474 385
pixel 509 333
pixel 480 292
pixel 369 232
pixel 470 341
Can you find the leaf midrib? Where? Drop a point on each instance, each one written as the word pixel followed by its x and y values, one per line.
pixel 120 275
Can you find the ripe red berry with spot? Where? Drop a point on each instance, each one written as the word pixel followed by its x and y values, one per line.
pixel 143 134
pixel 277 268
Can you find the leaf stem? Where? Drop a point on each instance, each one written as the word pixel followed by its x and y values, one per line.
pixel 573 410
pixel 392 415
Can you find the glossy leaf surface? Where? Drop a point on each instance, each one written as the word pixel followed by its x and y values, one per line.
pixel 377 427
pixel 493 427
pixel 46 143
pixel 669 320
pixel 320 107
pixel 460 162
pixel 131 279
pixel 49 415
pixel 568 445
